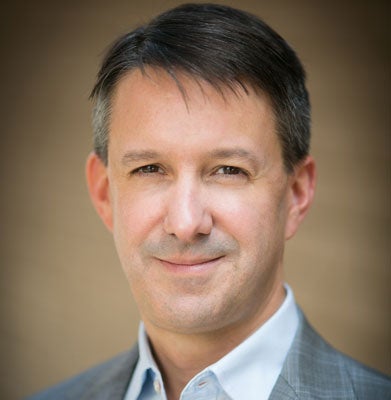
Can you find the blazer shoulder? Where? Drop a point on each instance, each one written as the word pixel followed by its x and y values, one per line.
pixel 367 383
pixel 315 370
pixel 109 380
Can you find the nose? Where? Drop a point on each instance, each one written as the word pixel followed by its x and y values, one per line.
pixel 187 215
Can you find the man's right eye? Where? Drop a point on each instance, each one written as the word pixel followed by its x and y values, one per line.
pixel 148 169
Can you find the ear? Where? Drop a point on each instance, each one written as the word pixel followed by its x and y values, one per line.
pixel 302 189
pixel 98 187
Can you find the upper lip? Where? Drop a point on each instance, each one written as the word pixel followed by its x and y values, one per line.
pixel 189 261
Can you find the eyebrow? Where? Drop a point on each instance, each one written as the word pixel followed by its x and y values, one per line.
pixel 218 154
pixel 235 153
pixel 137 156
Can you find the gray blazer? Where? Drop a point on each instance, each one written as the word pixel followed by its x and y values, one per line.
pixel 313 370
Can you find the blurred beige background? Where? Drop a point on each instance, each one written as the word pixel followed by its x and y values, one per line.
pixel 65 304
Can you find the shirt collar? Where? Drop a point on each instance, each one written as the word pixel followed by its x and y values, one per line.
pixel 146 368
pixel 249 371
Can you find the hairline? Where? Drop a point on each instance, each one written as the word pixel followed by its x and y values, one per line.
pixel 104 102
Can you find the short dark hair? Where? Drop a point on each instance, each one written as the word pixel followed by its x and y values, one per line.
pixel 219 45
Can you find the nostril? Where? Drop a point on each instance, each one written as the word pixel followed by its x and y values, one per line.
pixel 187 227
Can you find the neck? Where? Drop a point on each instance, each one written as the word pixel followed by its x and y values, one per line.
pixel 182 356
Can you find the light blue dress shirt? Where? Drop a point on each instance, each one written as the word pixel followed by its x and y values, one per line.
pixel 248 372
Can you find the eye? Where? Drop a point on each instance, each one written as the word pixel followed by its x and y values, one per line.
pixel 229 170
pixel 148 169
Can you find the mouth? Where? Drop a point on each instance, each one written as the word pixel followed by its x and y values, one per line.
pixel 189 265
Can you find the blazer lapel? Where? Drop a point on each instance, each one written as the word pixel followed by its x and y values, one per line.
pixel 283 390
pixel 114 382
pixel 312 370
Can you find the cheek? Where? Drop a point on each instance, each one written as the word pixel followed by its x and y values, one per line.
pixel 134 217
pixel 249 216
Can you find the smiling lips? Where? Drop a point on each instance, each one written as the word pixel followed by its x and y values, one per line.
pixel 189 264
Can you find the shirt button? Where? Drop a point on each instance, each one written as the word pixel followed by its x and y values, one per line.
pixel 202 384
pixel 156 386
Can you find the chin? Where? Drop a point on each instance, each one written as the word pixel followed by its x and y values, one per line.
pixel 191 319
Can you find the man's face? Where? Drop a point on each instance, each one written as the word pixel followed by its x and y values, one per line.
pixel 198 201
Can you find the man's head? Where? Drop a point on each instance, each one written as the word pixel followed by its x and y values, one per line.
pixel 206 172
pixel 219 45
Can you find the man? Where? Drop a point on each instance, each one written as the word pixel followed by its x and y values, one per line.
pixel 201 170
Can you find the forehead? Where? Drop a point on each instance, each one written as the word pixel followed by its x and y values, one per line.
pixel 156 106
pixel 155 85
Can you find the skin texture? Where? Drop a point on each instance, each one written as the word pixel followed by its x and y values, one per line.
pixel 200 205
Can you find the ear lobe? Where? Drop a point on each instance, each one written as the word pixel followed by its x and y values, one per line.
pixel 98 187
pixel 302 190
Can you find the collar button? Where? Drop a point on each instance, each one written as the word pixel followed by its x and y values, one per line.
pixel 156 385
